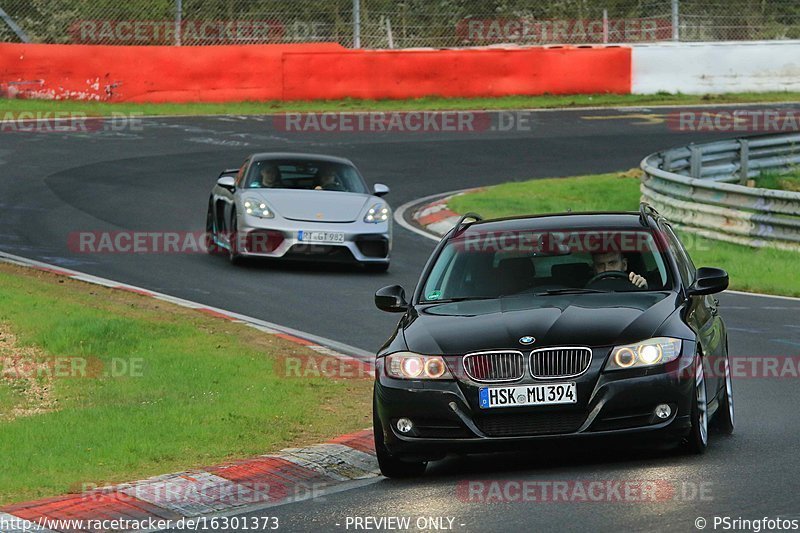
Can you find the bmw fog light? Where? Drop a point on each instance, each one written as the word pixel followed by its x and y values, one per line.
pixel 404 425
pixel 663 411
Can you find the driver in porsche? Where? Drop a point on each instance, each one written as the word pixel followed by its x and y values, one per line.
pixel 616 262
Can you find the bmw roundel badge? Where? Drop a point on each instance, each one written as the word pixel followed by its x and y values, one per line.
pixel 527 340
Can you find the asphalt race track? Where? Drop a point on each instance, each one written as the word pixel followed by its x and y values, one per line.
pixel 159 178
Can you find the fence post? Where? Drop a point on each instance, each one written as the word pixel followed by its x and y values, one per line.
pixel 178 21
pixel 676 21
pixel 356 23
pixel 695 161
pixel 605 26
pixel 744 161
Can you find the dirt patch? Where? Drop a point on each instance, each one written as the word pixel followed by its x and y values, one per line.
pixel 25 370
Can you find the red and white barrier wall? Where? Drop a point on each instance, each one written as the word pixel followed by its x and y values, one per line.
pixel 702 68
pixel 329 71
pixel 303 72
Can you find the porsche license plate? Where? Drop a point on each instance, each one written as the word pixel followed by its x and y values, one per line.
pixel 526 395
pixel 333 237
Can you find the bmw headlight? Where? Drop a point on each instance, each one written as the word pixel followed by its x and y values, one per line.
pixel 409 365
pixel 257 208
pixel 377 213
pixel 655 351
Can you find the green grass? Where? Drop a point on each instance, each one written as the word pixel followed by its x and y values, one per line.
pixel 751 269
pixel 206 390
pixel 785 182
pixel 428 103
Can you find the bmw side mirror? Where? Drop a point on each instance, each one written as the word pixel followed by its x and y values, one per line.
pixel 709 281
pixel 380 189
pixel 227 182
pixel 391 299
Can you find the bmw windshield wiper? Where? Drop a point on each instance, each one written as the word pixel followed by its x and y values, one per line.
pixel 550 292
pixel 461 299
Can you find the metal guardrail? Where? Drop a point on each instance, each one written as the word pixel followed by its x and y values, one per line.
pixel 701 189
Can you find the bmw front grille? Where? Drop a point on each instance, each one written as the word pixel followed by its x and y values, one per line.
pixel 551 363
pixel 495 366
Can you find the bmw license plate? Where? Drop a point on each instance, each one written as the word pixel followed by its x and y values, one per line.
pixel 333 237
pixel 526 395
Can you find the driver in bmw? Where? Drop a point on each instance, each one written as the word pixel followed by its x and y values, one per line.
pixel 616 262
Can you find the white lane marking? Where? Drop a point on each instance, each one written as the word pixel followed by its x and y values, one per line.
pixel 745 330
pixel 224 117
pixel 761 295
pixel 269 327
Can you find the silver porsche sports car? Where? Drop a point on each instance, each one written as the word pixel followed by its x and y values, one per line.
pixel 299 206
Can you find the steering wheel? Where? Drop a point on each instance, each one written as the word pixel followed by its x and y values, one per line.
pixel 610 275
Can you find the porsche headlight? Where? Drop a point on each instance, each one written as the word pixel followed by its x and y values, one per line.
pixel 409 365
pixel 257 208
pixel 655 351
pixel 377 213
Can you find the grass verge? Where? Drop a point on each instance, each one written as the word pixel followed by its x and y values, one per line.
pixel 417 104
pixel 783 182
pixel 751 269
pixel 149 388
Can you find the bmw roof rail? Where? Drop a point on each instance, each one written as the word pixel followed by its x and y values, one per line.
pixel 461 224
pixel 644 210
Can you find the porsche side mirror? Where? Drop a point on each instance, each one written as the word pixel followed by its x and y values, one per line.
pixel 709 281
pixel 391 299
pixel 227 182
pixel 380 189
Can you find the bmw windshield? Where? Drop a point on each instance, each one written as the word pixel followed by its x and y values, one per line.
pixel 481 264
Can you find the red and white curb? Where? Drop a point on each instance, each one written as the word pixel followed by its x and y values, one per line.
pixel 430 216
pixel 291 475
pixel 294 474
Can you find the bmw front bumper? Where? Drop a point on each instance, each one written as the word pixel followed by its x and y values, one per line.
pixel 447 417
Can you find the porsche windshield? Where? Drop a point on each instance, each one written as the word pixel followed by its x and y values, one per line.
pixel 483 264
pixel 308 175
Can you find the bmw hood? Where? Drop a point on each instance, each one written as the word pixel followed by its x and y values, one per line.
pixel 565 320
pixel 314 206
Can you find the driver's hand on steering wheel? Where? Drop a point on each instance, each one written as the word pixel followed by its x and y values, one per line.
pixel 637 280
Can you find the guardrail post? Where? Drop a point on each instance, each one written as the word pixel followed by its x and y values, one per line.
pixel 744 161
pixel 695 161
pixel 666 161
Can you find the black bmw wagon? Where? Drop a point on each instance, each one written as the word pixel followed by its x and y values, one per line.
pixel 549 327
